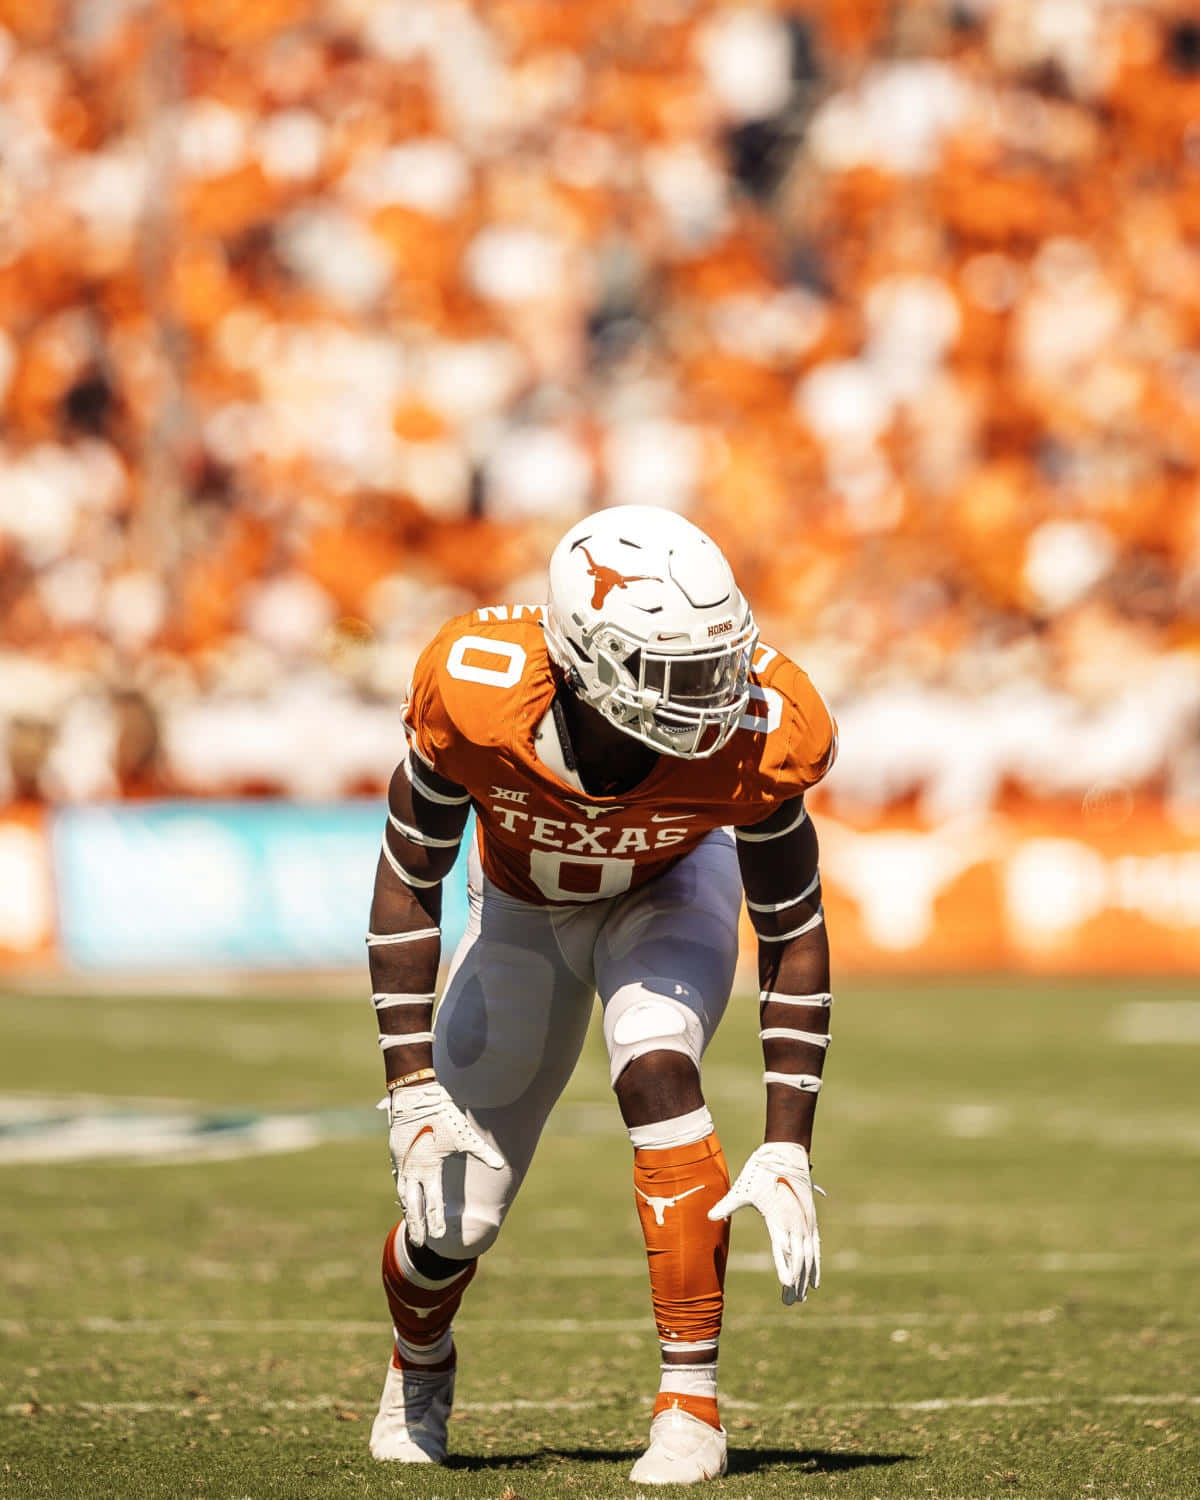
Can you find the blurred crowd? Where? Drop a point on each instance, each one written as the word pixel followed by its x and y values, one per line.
pixel 320 321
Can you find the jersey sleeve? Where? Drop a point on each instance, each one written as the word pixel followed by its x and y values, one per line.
pixel 813 740
pixel 432 734
pixel 472 689
pixel 800 744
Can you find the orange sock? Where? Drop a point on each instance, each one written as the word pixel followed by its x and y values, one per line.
pixel 704 1407
pixel 675 1186
pixel 422 1314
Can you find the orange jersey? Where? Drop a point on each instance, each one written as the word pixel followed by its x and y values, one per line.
pixel 478 707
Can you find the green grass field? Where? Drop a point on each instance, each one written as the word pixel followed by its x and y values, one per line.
pixel 1009 1307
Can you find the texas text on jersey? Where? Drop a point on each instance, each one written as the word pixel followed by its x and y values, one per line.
pixel 480 714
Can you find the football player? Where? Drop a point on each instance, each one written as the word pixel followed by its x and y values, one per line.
pixel 636 761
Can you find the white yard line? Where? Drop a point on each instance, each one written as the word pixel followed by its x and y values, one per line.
pixel 854 1263
pixel 38 1127
pixel 956 1403
pixel 632 1266
pixel 216 1405
pixel 136 986
pixel 16 1106
pixel 39 1328
pixel 1160 1023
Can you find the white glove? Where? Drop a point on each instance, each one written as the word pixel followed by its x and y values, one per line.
pixel 776 1181
pixel 426 1126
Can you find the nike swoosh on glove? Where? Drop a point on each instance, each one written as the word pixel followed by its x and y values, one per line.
pixel 776 1181
pixel 426 1126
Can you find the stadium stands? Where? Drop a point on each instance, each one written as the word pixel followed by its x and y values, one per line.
pixel 320 321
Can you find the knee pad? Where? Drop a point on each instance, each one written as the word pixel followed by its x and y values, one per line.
pixel 638 1020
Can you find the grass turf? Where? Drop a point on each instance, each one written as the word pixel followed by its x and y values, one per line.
pixel 1009 1304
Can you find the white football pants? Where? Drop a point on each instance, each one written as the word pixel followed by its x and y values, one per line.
pixel 512 1020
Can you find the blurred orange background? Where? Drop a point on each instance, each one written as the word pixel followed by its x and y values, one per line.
pixel 320 322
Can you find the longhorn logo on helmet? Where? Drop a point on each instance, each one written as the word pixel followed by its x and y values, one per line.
pixel 606 579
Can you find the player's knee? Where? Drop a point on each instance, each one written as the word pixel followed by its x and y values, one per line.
pixel 662 1068
pixel 658 1086
pixel 639 1021
pixel 430 1263
pixel 468 1234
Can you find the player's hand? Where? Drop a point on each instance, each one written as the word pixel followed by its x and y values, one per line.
pixel 426 1126
pixel 777 1182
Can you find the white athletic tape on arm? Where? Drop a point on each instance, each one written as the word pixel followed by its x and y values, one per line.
pixel 390 1002
pixel 380 939
pixel 769 997
pixel 785 1033
pixel 807 1083
pixel 782 937
pixel 783 905
pixel 431 794
pixel 402 874
pixel 745 837
pixel 426 840
pixel 386 1039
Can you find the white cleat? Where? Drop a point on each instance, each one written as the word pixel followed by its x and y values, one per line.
pixel 683 1450
pixel 410 1425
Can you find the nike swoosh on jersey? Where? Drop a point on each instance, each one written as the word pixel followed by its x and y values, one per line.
pixel 670 817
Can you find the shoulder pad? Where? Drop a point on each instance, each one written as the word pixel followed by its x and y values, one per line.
pixel 471 684
pixel 799 733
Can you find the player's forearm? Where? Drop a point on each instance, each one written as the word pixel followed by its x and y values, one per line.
pixel 779 860
pixel 403 951
pixel 420 843
pixel 794 1012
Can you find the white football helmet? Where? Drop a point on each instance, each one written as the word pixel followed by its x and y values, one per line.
pixel 649 626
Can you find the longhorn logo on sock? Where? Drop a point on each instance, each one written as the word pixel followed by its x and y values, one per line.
pixel 659 1206
pixel 420 1312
